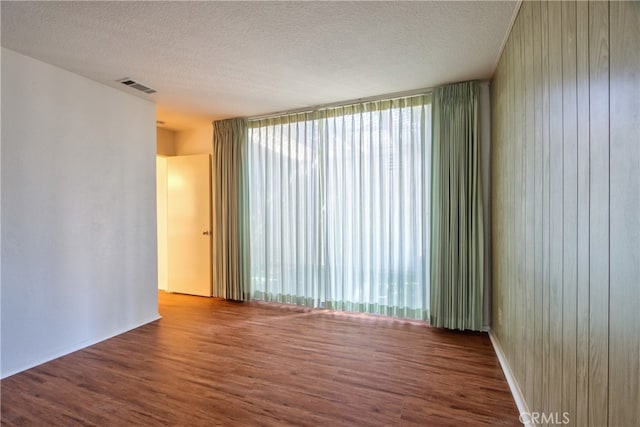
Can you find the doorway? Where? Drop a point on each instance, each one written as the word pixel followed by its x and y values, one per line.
pixel 184 224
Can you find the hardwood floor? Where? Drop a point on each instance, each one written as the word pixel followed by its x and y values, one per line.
pixel 214 362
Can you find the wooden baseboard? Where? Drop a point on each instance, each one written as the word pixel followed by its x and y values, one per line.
pixel 523 409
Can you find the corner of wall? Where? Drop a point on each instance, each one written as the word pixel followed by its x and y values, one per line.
pixel 194 141
pixel 1 207
pixel 165 142
pixel 485 146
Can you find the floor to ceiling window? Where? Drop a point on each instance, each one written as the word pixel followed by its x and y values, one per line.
pixel 339 207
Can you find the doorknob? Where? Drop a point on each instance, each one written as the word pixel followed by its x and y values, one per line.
pixel 206 232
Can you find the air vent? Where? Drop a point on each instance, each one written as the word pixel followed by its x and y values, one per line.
pixel 131 83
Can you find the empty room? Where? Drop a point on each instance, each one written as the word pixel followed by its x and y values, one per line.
pixel 303 213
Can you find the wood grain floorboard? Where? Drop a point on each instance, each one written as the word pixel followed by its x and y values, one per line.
pixel 215 362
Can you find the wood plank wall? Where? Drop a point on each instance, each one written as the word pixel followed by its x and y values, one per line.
pixel 565 167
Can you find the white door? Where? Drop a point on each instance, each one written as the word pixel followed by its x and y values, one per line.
pixel 189 224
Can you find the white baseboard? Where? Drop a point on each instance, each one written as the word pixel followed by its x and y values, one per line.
pixel 76 347
pixel 511 380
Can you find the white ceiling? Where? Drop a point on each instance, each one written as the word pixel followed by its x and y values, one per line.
pixel 213 60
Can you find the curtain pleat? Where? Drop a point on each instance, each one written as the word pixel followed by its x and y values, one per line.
pixel 231 254
pixel 338 212
pixel 457 249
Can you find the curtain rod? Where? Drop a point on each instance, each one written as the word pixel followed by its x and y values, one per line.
pixel 389 96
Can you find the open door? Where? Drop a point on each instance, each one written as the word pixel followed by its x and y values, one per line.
pixel 189 224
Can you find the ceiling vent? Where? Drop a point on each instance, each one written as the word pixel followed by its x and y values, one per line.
pixel 135 85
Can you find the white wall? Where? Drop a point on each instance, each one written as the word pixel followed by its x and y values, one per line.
pixel 165 142
pixel 194 141
pixel 78 232
pixel 161 196
pixel 165 146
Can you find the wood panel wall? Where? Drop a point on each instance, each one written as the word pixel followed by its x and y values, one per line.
pixel 566 209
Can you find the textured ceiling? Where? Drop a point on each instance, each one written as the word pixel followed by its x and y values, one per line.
pixel 213 60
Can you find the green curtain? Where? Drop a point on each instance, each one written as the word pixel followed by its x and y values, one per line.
pixel 457 258
pixel 231 256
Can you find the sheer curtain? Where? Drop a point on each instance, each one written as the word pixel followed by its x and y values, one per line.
pixel 339 207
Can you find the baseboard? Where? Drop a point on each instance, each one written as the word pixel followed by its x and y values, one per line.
pixel 76 347
pixel 523 409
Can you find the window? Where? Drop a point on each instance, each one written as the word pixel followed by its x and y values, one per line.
pixel 339 207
